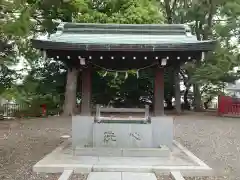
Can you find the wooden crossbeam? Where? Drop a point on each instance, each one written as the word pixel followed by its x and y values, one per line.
pixel 100 110
pixel 123 110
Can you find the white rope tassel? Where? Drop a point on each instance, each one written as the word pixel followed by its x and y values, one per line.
pixel 116 75
pixel 137 74
pixel 82 60
pixel 44 55
pixel 105 74
pixel 203 56
pixel 126 75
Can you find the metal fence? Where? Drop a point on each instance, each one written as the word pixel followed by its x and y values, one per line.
pixel 9 110
pixel 229 106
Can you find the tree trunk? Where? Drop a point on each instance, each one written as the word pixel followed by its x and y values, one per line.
pixel 169 9
pixel 185 98
pixel 206 103
pixel 187 85
pixel 70 93
pixel 177 89
pixel 197 98
pixel 196 89
pixel 205 34
pixel 169 104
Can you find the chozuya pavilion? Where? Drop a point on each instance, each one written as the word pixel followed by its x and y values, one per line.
pixel 120 47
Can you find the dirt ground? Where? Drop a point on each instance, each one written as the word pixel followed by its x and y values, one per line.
pixel 215 140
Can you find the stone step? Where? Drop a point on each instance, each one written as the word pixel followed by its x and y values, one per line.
pixel 66 175
pixel 123 152
pixel 121 176
pixel 176 175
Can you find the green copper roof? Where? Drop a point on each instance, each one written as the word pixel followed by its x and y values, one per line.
pixel 114 37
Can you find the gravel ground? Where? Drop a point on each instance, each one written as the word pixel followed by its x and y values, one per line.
pixel 214 140
pixel 24 142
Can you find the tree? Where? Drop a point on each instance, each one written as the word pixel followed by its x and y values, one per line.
pixel 15 25
pixel 218 66
pixel 6 78
pixel 208 19
pixel 45 84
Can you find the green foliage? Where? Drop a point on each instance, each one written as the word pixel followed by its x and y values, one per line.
pixel 218 19
pixel 218 67
pixel 45 84
pixel 6 78
pixel 119 91
pixel 121 11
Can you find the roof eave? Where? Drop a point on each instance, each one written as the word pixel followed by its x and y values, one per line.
pixel 51 45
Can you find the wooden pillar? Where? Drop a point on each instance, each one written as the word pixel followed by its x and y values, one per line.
pixel 70 92
pixel 86 92
pixel 159 92
pixel 177 89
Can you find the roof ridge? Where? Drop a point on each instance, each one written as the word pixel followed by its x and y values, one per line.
pixel 92 28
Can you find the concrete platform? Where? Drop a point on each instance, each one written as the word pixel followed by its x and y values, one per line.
pixel 123 152
pixel 181 160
